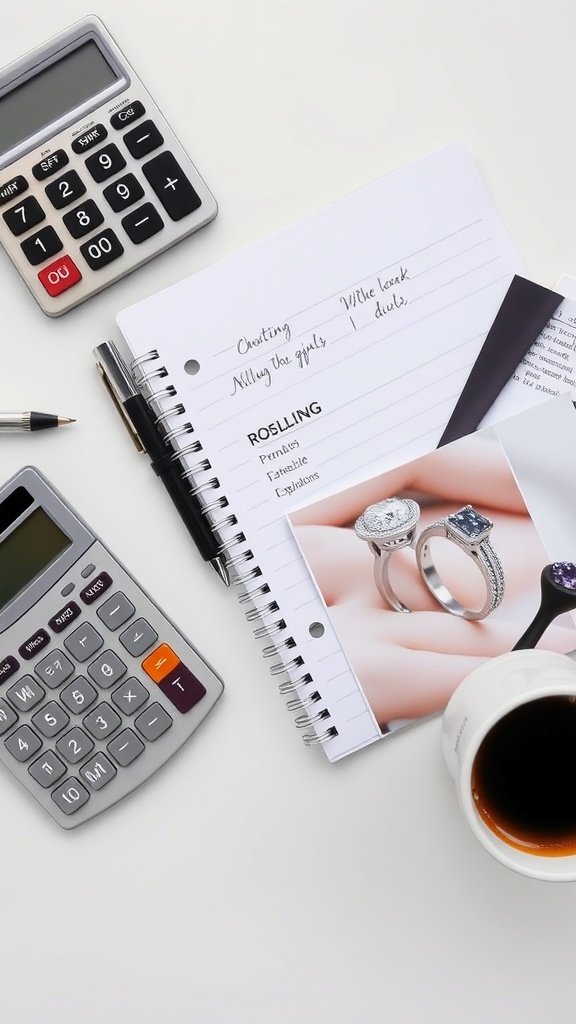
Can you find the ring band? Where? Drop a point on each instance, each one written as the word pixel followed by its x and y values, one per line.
pixel 558 586
pixel 387 527
pixel 470 532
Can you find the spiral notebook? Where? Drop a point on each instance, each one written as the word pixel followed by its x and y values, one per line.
pixel 297 365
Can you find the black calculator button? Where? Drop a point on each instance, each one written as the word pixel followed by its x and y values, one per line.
pixel 65 190
pixel 34 644
pixel 128 114
pixel 8 666
pixel 41 246
pixel 98 586
pixel 99 252
pixel 105 163
pixel 83 219
pixel 123 193
pixel 142 223
pixel 12 189
pixel 59 622
pixel 50 165
pixel 171 186
pixel 90 139
pixel 24 215
pixel 142 140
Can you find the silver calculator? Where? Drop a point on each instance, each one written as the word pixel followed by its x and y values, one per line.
pixel 97 686
pixel 93 181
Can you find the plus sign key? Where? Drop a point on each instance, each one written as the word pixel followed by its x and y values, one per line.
pixel 167 179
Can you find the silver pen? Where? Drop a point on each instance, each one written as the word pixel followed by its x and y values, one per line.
pixel 11 422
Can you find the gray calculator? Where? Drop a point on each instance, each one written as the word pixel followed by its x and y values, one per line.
pixel 97 687
pixel 93 181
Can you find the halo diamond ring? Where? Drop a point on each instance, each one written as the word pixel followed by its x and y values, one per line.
pixel 387 527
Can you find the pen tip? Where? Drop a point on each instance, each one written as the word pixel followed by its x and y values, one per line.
pixel 63 420
pixel 220 569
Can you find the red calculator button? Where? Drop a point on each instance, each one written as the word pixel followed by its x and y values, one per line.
pixel 60 275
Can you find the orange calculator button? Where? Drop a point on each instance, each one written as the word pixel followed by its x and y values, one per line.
pixel 158 664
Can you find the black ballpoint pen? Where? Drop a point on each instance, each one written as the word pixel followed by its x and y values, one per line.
pixel 140 419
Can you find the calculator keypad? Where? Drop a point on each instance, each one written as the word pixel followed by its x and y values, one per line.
pixel 80 717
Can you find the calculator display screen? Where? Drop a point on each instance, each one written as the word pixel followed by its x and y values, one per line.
pixel 27 551
pixel 53 92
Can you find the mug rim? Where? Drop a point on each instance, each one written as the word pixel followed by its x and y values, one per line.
pixel 533 865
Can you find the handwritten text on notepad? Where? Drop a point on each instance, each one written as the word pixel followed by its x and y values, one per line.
pixel 369 301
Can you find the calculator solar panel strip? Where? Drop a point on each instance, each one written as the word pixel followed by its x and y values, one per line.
pixel 93 181
pixel 98 688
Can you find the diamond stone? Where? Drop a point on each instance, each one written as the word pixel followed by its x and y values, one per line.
pixel 469 522
pixel 564 574
pixel 387 518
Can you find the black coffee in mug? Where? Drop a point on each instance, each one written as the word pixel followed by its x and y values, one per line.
pixel 524 777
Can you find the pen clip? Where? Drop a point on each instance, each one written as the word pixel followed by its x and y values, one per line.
pixel 120 407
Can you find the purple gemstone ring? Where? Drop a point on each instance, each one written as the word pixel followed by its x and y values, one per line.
pixel 470 531
pixel 558 595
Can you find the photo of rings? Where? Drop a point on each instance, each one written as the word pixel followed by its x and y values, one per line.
pixel 432 567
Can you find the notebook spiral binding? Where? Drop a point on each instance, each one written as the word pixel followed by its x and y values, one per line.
pixel 291 669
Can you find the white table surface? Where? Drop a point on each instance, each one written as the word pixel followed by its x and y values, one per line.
pixel 250 881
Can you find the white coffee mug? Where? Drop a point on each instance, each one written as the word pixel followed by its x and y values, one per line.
pixel 482 699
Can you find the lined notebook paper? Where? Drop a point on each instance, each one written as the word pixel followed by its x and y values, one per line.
pixel 334 348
